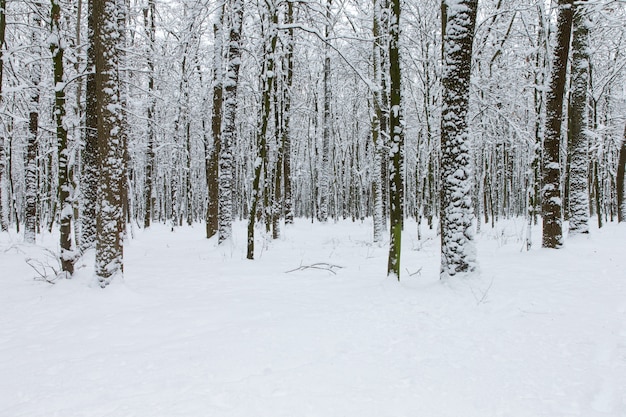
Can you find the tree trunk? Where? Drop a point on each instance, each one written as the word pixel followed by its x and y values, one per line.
pixel 30 214
pixel 324 181
pixel 396 154
pixel 3 200
pixel 65 186
pixel 212 171
pixel 578 124
pixel 267 83
pixel 288 203
pixel 110 211
pixel 621 178
pixel 551 193
pixel 229 132
pixel 149 199
pixel 458 252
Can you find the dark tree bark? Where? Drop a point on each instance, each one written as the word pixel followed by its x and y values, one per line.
pixel 286 132
pixel 3 203
pixel 552 205
pixel 229 132
pixel 149 198
pixel 396 153
pixel 30 211
pixel 65 184
pixel 458 252
pixel 578 124
pixel 267 83
pixel 212 166
pixel 621 178
pixel 90 171
pixel 111 191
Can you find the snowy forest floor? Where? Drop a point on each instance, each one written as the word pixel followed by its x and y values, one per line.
pixel 198 330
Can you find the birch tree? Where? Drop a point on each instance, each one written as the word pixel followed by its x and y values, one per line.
pixel 3 200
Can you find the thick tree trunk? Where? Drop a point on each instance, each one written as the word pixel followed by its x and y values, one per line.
pixel 212 166
pixel 378 124
pixel 90 169
pixel 458 253
pixel 552 205
pixel 396 153
pixel 110 210
pixel 578 124
pixel 229 131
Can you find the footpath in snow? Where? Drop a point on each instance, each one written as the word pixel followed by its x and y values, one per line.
pixel 197 330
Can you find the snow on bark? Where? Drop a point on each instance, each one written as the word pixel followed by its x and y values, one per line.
pixel 229 132
pixel 324 187
pixel 578 125
pixel 212 153
pixel 458 253
pixel 621 180
pixel 30 211
pixel 396 153
pixel 551 204
pixel 90 171
pixel 110 212
pixel 57 48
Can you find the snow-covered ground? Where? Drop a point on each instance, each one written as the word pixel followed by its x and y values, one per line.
pixel 198 330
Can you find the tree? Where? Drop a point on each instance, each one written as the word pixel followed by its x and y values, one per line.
pixel 458 253
pixel 89 168
pixel 578 126
pixel 3 201
pixel 396 154
pixel 149 13
pixel 324 186
pixel 57 49
pixel 30 215
pixel 212 154
pixel 268 77
pixel 621 178
pixel 110 211
pixel 551 203
pixel 229 129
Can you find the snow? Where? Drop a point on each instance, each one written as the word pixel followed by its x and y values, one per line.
pixel 195 329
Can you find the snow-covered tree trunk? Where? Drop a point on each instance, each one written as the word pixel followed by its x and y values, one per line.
pixel 4 205
pixel 621 181
pixel 57 47
pixel 396 153
pixel 578 125
pixel 229 130
pixel 90 170
pixel 268 78
pixel 110 211
pixel 30 211
pixel 149 13
pixel 324 180
pixel 552 205
pixel 212 167
pixel 286 128
pixel 378 125
pixel 458 252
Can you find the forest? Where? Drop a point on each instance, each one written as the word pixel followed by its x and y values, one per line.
pixel 278 208
pixel 120 114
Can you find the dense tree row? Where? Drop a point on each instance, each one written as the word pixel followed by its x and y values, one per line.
pixel 121 113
